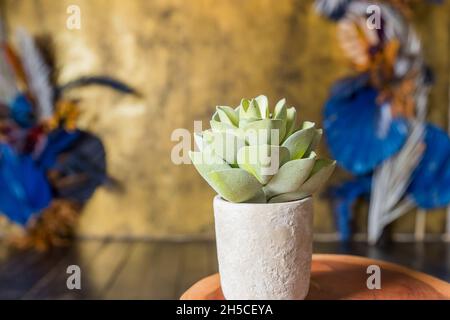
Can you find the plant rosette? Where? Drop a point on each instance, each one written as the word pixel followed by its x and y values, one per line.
pixel 265 170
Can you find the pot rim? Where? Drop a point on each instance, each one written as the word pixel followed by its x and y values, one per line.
pixel 218 198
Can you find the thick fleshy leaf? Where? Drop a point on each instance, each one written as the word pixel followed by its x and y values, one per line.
pixel 245 104
pixel 263 106
pixel 299 142
pixel 216 117
pixel 262 161
pixel 286 197
pixel 235 185
pixel 228 115
pixel 260 197
pixel 206 162
pixel 249 110
pixel 315 141
pixel 291 121
pixel 245 122
pixel 308 124
pixel 221 126
pixel 321 172
pixel 225 144
pixel 237 110
pixel 203 140
pixel 280 113
pixel 264 131
pixel 290 177
pixel 249 160
pixel 284 155
pixel 199 142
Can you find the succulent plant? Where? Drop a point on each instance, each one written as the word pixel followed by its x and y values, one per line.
pixel 253 155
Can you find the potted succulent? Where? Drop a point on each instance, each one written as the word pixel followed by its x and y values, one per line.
pixel 264 169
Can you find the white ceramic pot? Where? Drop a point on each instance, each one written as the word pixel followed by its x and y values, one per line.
pixel 264 250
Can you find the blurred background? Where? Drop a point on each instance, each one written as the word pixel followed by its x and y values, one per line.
pixel 154 237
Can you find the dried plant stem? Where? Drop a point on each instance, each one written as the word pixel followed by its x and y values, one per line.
pixel 392 178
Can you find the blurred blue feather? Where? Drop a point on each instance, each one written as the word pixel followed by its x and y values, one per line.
pixel 75 154
pixel 332 9
pixel 24 188
pixel 352 120
pixel 430 185
pixel 58 141
pixel 344 197
pixel 22 111
pixel 346 87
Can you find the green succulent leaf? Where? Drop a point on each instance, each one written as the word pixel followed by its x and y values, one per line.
pixel 260 197
pixel 260 132
pixel 286 197
pixel 206 162
pixel 245 104
pixel 245 122
pixel 308 124
pixel 249 110
pixel 262 161
pixel 263 106
pixel 225 144
pixel 253 155
pixel 299 142
pixel 290 177
pixel 235 185
pixel 321 172
pixel 291 121
pixel 221 126
pixel 285 155
pixel 280 113
pixel 199 142
pixel 315 141
pixel 281 105
pixel 228 115
pixel 216 117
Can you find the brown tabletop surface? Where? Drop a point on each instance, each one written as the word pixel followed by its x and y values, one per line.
pixel 345 277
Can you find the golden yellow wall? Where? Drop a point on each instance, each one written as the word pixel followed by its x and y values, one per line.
pixel 186 57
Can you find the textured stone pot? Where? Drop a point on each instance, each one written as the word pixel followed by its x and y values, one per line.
pixel 264 250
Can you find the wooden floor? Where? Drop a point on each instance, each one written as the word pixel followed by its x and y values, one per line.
pixel 161 270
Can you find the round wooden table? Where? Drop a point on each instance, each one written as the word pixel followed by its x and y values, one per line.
pixel 345 277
